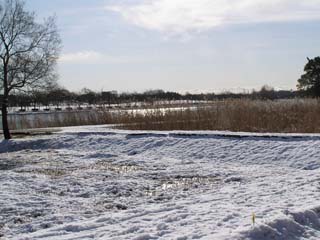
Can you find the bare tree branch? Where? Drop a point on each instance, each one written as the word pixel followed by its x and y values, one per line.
pixel 28 50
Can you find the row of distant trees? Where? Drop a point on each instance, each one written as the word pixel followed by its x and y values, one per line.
pixel 60 96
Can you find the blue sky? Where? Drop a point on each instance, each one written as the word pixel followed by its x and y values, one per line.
pixel 183 45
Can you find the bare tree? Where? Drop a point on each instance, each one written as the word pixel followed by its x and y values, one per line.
pixel 28 52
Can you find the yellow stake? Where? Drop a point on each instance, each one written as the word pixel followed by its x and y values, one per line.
pixel 253 219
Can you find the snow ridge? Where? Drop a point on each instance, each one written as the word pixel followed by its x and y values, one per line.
pixel 295 225
pixel 97 183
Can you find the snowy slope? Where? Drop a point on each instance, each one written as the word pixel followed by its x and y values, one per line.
pixel 97 183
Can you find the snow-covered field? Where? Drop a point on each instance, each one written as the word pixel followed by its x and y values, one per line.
pixel 97 183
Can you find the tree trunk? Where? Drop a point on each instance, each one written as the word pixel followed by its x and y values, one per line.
pixel 5 125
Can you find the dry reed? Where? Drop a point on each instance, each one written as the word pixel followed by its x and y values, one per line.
pixel 284 116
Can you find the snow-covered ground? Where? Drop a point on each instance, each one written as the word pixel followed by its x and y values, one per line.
pixel 97 183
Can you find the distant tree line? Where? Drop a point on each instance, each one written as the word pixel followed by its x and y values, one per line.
pixel 58 96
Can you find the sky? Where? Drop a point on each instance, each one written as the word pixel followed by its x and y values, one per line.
pixel 183 45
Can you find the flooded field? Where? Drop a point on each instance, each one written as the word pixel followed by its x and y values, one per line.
pixel 45 119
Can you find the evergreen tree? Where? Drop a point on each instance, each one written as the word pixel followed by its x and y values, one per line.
pixel 310 80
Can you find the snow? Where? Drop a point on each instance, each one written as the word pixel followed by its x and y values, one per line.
pixel 98 183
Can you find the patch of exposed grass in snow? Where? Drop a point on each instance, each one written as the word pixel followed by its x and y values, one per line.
pixel 51 172
pixel 6 165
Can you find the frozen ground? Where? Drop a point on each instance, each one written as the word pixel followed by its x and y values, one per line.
pixel 97 183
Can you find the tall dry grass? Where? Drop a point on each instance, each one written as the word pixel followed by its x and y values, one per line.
pixel 289 116
pixel 284 116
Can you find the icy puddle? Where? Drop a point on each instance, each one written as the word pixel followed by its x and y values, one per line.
pixel 162 188
pixel 117 168
pixel 85 183
pixel 188 182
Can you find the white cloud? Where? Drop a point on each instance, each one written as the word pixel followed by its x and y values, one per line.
pixel 81 57
pixel 197 15
pixel 93 57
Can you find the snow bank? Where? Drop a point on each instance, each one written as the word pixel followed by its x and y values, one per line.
pixel 292 225
pixel 97 183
